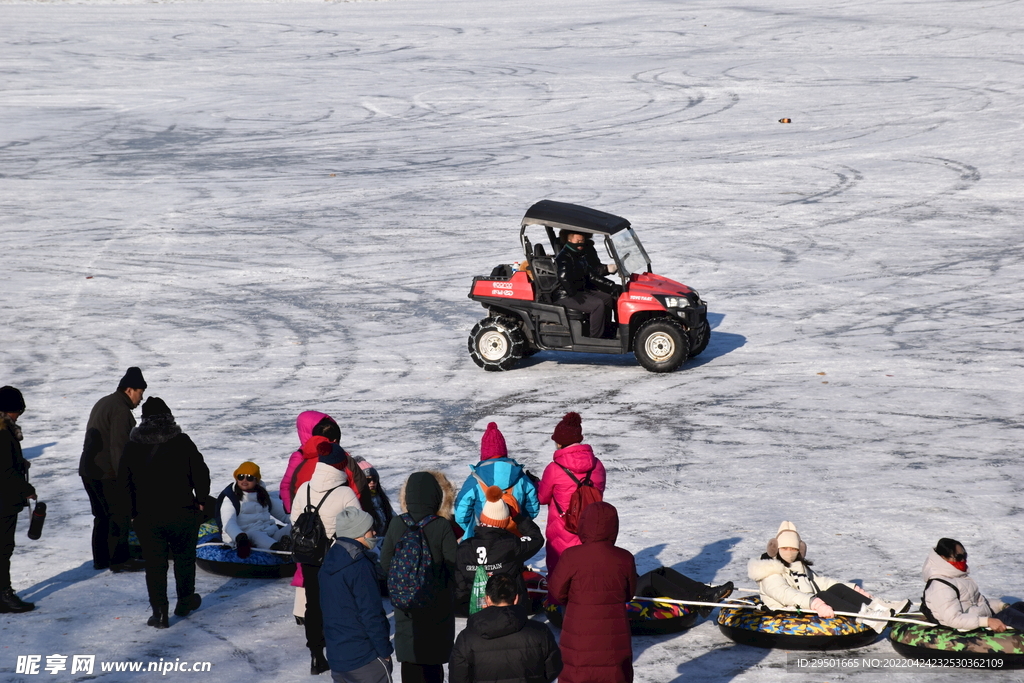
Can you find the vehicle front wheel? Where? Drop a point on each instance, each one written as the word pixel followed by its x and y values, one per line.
pixel 661 345
pixel 496 344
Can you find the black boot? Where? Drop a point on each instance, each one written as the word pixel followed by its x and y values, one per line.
pixel 159 618
pixel 12 604
pixel 189 604
pixel 132 564
pixel 318 663
pixel 714 594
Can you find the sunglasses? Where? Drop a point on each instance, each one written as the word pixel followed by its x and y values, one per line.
pixel 247 477
pixel 960 557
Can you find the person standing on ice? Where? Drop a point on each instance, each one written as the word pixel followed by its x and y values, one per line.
pixel 166 482
pixel 953 599
pixel 424 636
pixel 496 549
pixel 110 423
pixel 249 517
pixel 786 581
pixel 557 486
pixel 356 629
pixel 309 423
pixel 15 492
pixel 494 469
pixel 501 643
pixel 328 488
pixel 594 580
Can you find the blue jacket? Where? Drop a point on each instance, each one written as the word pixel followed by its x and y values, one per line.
pixel 355 626
pixel 500 472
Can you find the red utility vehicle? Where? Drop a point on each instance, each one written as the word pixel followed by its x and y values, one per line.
pixel 663 322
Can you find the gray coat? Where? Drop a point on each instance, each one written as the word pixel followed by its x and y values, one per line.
pixel 110 423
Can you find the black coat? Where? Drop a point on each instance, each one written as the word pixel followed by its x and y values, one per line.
pixel 14 486
pixel 501 645
pixel 500 552
pixel 161 471
pixel 576 275
pixel 425 635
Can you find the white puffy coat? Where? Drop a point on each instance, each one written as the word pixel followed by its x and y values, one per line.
pixel 325 478
pixel 970 611
pixel 252 518
pixel 792 586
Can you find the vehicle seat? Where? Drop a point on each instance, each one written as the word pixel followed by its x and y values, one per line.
pixel 545 276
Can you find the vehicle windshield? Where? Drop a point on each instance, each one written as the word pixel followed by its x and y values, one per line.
pixel 632 257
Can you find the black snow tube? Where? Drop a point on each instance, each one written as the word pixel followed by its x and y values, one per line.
pixel 792 631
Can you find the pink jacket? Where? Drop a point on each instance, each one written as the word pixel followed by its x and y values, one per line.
pixel 556 485
pixel 304 424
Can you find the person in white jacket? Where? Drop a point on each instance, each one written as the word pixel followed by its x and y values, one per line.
pixel 953 599
pixel 329 489
pixel 786 580
pixel 249 516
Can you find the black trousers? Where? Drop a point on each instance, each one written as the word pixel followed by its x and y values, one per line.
pixel 842 598
pixel 7 525
pixel 422 673
pixel 1012 615
pixel 110 522
pixel 665 582
pixel 593 302
pixel 314 622
pixel 163 540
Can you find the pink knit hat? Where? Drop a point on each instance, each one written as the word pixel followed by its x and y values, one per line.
pixel 492 444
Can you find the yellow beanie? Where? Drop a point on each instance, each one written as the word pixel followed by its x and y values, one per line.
pixel 248 468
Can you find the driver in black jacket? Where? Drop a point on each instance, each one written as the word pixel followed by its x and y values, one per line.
pixel 580 287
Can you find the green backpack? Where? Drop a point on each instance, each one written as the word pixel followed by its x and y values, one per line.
pixel 476 597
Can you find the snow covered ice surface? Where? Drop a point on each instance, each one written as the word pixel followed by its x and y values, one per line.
pixel 276 207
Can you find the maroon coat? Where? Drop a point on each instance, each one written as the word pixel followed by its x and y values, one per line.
pixel 594 581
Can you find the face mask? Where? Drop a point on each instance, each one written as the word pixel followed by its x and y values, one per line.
pixel 371 543
pixel 578 246
pixel 789 555
pixel 961 565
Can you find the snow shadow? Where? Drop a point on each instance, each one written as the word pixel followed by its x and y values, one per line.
pixel 721 664
pixel 705 565
pixel 52 584
pixel 36 451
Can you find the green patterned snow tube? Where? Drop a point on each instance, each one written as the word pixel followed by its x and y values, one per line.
pixel 977 649
pixel 792 630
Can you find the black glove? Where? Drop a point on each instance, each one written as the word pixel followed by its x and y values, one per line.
pixel 243 546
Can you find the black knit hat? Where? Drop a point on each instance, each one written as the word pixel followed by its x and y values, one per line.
pixel 132 380
pixel 11 400
pixel 154 406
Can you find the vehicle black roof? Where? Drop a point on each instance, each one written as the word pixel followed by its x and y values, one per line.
pixel 573 216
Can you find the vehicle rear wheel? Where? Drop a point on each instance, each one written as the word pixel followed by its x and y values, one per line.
pixel 700 341
pixel 661 345
pixel 496 343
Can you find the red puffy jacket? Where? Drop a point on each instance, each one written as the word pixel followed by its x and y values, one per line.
pixel 594 581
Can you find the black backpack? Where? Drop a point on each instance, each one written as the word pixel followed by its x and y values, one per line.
pixel 924 606
pixel 309 538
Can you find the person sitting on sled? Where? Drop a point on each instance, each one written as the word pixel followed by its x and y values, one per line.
pixel 249 517
pixel 952 598
pixel 786 580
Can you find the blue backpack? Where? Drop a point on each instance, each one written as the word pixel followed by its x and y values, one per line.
pixel 412 579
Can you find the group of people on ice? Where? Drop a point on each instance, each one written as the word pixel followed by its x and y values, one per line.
pixel 444 553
